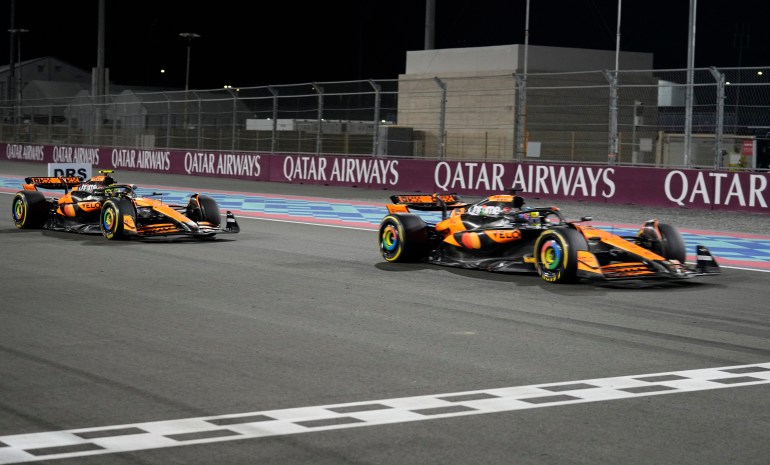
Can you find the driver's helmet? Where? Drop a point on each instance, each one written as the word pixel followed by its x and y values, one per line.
pixel 527 215
pixel 523 218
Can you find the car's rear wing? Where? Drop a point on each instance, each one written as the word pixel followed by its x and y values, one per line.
pixel 52 182
pixel 425 202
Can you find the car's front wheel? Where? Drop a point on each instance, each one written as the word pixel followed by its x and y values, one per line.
pixel 202 208
pixel 666 242
pixel 673 243
pixel 556 254
pixel 115 214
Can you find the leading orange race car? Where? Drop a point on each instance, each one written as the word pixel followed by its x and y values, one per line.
pixel 498 233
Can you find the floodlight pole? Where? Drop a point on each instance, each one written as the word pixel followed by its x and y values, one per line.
pixel 519 136
pixel 689 91
pixel 16 34
pixel 612 158
pixel 189 36
pixel 18 55
pixel 12 54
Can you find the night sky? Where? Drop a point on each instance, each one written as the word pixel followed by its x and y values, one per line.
pixel 257 43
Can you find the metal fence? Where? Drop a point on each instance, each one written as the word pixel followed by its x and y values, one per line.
pixel 643 118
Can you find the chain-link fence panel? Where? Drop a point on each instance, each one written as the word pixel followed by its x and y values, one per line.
pixel 650 117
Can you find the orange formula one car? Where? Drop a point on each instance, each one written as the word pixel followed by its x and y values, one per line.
pixel 101 206
pixel 498 233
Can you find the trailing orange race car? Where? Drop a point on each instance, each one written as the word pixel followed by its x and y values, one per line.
pixel 498 233
pixel 101 206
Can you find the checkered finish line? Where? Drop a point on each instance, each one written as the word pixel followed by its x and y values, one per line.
pixel 159 434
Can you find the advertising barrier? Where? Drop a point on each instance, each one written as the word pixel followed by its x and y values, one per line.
pixel 686 188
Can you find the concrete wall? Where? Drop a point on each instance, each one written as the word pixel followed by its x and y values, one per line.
pixel 481 92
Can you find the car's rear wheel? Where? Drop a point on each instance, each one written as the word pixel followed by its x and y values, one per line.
pixel 556 252
pixel 29 210
pixel 403 237
pixel 113 217
pixel 202 208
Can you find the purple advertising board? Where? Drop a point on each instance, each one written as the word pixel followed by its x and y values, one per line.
pixel 685 188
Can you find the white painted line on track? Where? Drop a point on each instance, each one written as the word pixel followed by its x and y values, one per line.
pixel 31 447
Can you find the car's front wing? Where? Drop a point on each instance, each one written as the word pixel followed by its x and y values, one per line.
pixel 705 265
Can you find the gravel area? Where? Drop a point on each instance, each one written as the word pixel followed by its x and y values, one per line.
pixel 682 218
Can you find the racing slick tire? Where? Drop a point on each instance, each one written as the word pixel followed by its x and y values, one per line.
pixel 556 254
pixel 112 220
pixel 672 243
pixel 403 237
pixel 29 210
pixel 202 208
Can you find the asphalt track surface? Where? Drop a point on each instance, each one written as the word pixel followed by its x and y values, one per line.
pixel 293 342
